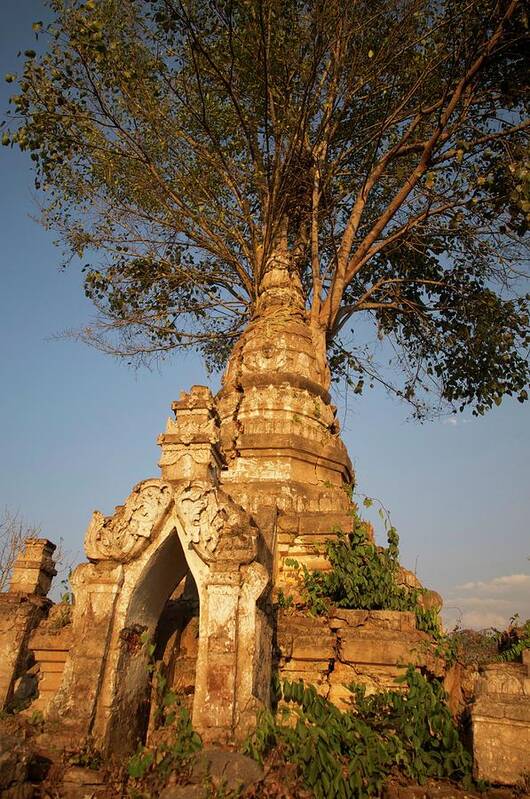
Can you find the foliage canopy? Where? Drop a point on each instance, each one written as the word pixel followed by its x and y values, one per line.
pixel 179 144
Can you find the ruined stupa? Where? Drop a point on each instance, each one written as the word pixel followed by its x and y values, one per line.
pixel 248 478
pixel 186 575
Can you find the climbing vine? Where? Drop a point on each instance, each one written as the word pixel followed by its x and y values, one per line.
pixel 362 576
pixel 349 755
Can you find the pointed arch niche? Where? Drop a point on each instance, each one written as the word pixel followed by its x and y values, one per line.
pixel 191 541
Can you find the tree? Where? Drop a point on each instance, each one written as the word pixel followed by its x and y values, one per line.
pixel 372 155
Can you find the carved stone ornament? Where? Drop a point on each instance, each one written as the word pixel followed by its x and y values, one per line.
pixel 123 536
pixel 187 429
pixel 215 526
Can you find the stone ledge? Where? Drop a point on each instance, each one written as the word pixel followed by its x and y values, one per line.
pixel 371 649
pixel 402 620
pixel 315 522
pixel 290 379
pixel 500 707
pixel 504 679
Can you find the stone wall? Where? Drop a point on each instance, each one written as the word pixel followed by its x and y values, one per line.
pixel 50 644
pixel 21 610
pixel 19 615
pixel 501 722
pixel 371 648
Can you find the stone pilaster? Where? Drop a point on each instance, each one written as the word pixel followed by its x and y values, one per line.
pixel 96 588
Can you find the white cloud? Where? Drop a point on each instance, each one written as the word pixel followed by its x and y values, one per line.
pixel 454 421
pixel 488 603
pixel 498 583
pixel 482 602
pixel 477 620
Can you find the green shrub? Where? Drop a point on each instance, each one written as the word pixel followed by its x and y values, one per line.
pixel 513 641
pixel 349 755
pixel 364 576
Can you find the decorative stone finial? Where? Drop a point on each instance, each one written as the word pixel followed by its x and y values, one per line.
pixel 34 568
pixel 190 444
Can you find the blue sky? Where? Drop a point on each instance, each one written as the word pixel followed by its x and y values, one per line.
pixel 78 429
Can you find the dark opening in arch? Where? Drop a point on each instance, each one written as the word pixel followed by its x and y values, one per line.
pixel 165 574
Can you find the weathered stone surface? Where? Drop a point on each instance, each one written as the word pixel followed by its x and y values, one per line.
pixel 15 759
pixel 460 686
pixel 279 434
pixel 19 615
pixel 501 723
pixel 183 792
pixel 305 647
pixel 504 678
pixel 190 448
pixel 34 568
pixel 399 620
pixel 21 610
pixel 232 770
pixel 215 525
pixel 371 648
pixel 375 678
pixel 316 523
pixel 50 644
pixel 79 782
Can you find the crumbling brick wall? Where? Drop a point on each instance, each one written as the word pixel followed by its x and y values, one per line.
pixel 367 647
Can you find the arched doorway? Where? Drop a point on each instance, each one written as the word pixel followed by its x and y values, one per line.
pixel 163 572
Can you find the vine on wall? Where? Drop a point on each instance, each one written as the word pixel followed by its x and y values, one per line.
pixel 363 576
pixel 349 755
